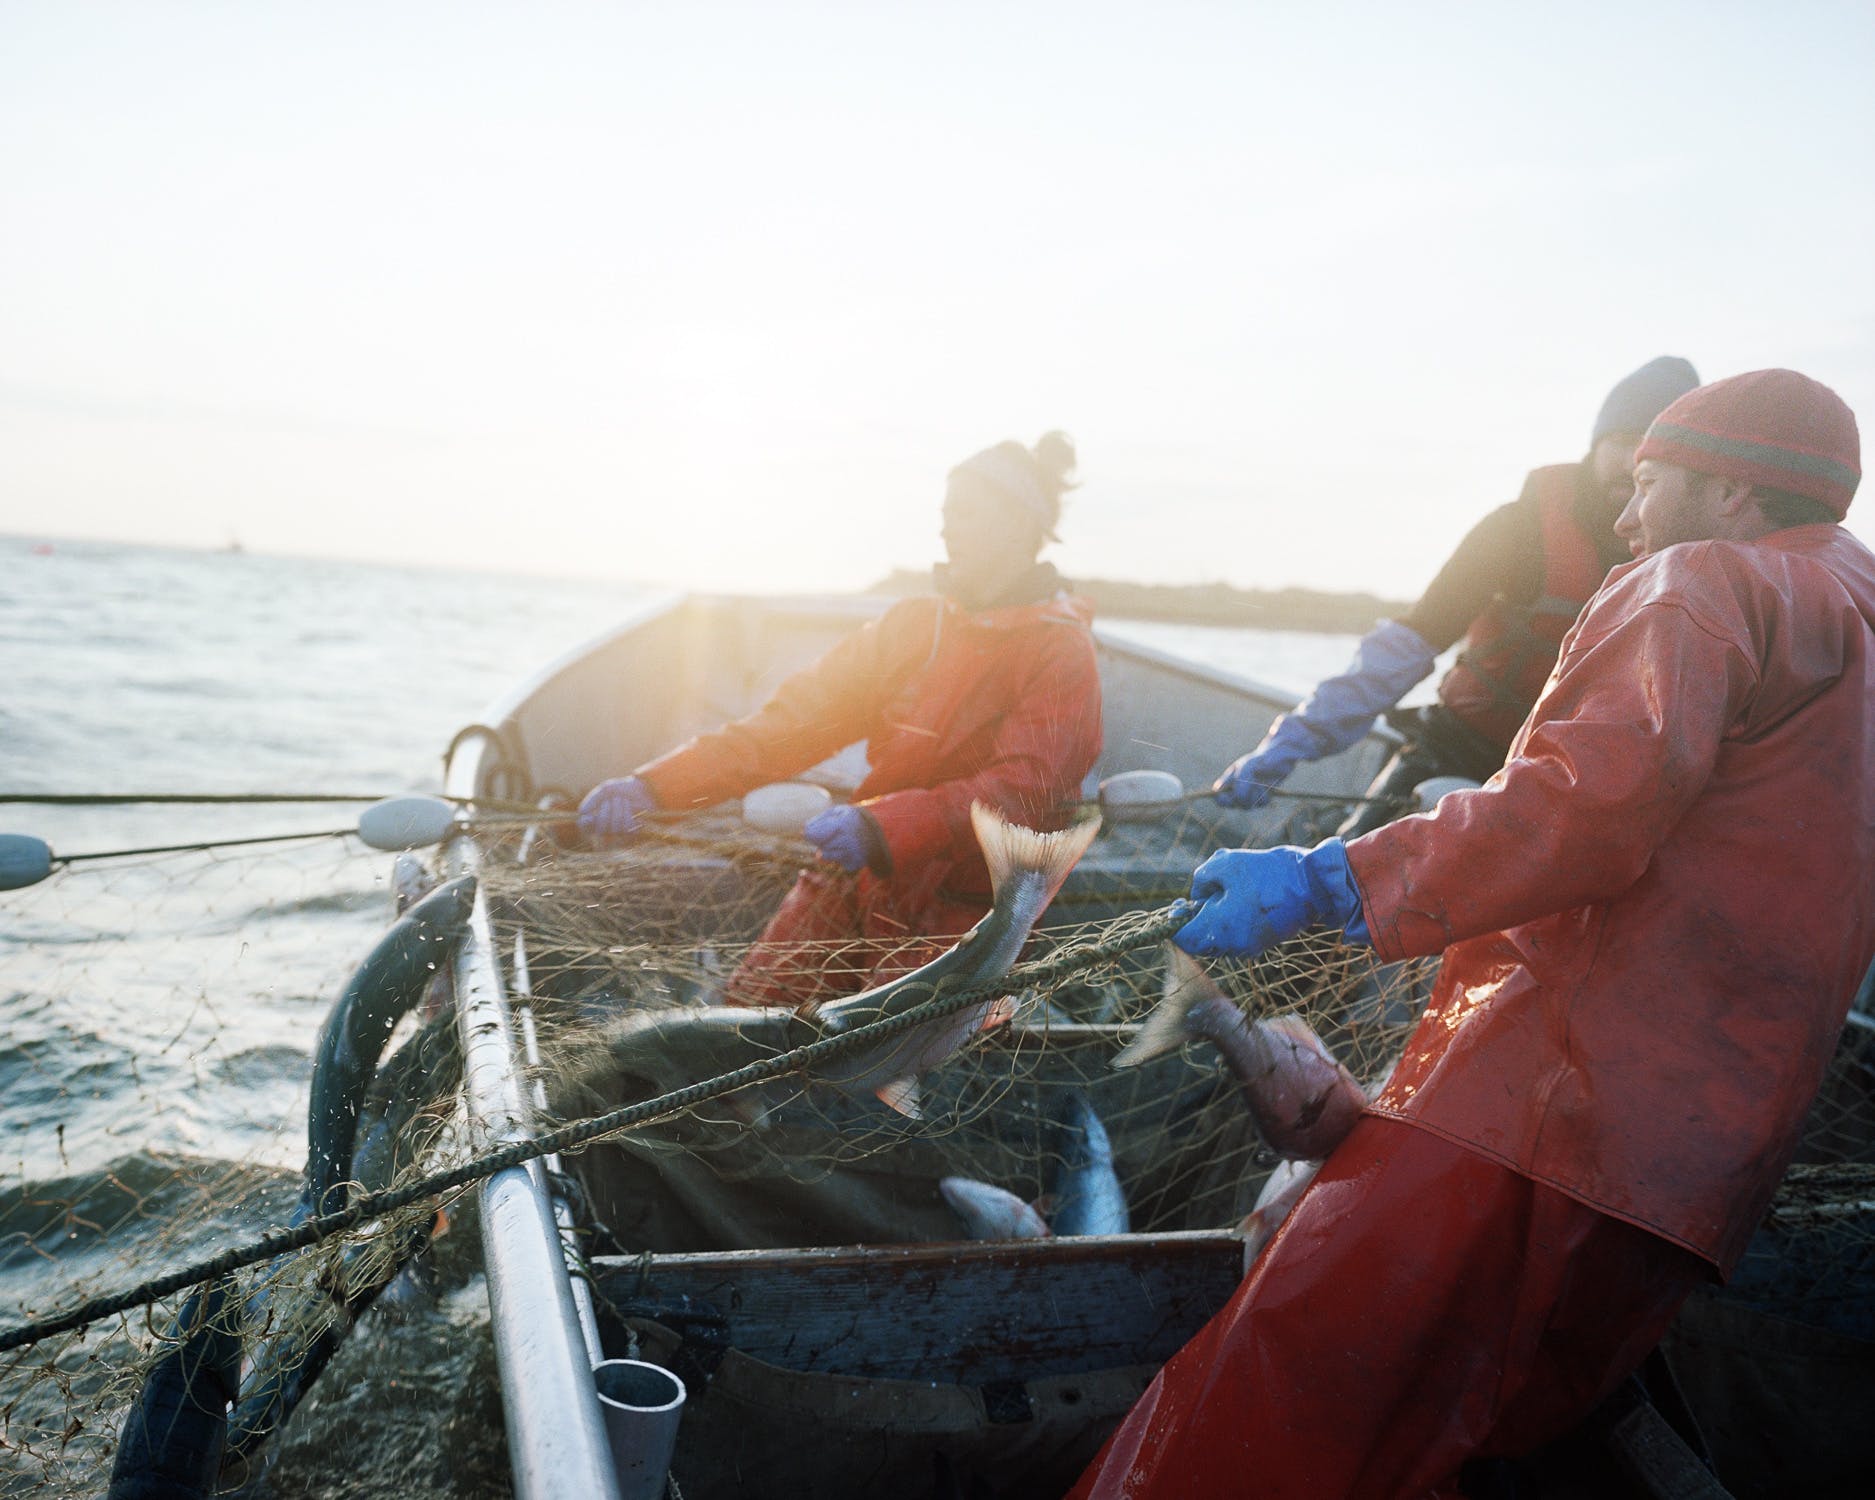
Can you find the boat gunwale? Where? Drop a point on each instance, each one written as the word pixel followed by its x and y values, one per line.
pixel 505 710
pixel 957 1253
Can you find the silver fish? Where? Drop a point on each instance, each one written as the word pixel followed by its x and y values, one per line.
pixel 1026 869
pixel 1084 1193
pixel 1302 1099
pixel 991 1213
pixel 1281 1192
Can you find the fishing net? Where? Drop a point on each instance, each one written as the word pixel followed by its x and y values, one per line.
pixel 630 966
pixel 184 976
pixel 161 1018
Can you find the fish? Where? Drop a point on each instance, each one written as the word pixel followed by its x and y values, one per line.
pixel 1281 1192
pixel 1026 869
pixel 173 1437
pixel 1084 1193
pixel 992 1213
pixel 1284 1186
pixel 1303 1101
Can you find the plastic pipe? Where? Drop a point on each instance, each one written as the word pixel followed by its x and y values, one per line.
pixel 642 1404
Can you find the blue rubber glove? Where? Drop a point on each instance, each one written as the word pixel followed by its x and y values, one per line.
pixel 846 835
pixel 1389 660
pixel 1253 899
pixel 611 809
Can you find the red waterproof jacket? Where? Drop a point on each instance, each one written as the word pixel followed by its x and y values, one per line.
pixel 1656 914
pixel 1511 647
pixel 1001 706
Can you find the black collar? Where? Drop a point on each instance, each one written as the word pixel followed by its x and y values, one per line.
pixel 1039 583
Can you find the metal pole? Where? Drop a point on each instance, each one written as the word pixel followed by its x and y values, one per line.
pixel 557 1444
pixel 550 1165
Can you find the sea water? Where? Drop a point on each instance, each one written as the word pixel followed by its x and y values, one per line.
pixel 165 1007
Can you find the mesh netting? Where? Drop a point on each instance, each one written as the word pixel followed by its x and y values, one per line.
pixel 161 1017
pixel 164 1017
pixel 634 1010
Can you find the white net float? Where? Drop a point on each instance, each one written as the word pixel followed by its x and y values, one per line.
pixel 1428 793
pixel 784 806
pixel 1140 796
pixel 412 822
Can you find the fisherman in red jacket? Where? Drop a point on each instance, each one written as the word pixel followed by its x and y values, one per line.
pixel 985 692
pixel 1512 589
pixel 1648 957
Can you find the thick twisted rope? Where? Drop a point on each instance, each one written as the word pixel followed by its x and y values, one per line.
pixel 1124 936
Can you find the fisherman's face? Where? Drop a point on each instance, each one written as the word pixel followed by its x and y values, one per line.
pixel 988 540
pixel 1669 505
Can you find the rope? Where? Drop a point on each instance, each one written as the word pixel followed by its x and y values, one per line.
pixel 1277 791
pixel 1338 798
pixel 1206 793
pixel 203 844
pixel 1126 935
pixel 507 816
pixel 118 799
pixel 222 799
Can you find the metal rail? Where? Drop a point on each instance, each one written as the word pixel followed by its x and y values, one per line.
pixel 547 1171
pixel 557 1444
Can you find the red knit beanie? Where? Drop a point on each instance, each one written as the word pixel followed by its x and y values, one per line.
pixel 1774 428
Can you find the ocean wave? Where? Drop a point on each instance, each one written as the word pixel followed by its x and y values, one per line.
pixel 149 1210
pixel 342 902
pixel 256 1067
pixel 29 931
pixel 40 1070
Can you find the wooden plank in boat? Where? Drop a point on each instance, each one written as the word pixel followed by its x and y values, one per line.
pixel 963 1312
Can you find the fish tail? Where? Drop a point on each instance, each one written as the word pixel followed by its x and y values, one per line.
pixel 1009 849
pixel 903 1095
pixel 1186 983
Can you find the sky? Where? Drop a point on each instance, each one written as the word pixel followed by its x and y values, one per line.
pixel 714 295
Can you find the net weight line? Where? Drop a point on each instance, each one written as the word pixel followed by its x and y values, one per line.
pixel 1132 933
